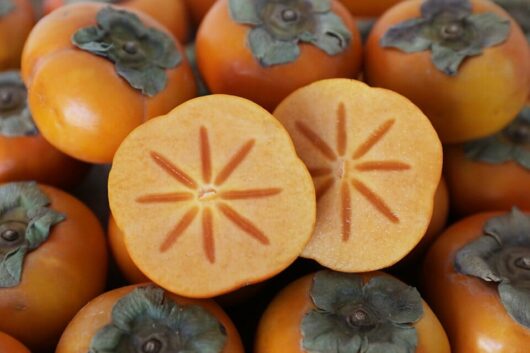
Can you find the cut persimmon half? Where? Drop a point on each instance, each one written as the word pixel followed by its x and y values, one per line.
pixel 376 163
pixel 212 197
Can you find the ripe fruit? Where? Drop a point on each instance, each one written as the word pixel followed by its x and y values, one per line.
pixel 16 21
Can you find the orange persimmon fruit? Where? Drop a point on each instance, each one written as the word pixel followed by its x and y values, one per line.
pixel 199 8
pixel 156 321
pixel 470 77
pixel 285 48
pixel 376 163
pixel 211 197
pixel 368 8
pixel 170 13
pixel 83 100
pixel 10 345
pixel 16 21
pixel 57 271
pixel 470 307
pixel 325 311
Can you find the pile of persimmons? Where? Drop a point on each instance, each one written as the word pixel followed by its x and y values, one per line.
pixel 275 176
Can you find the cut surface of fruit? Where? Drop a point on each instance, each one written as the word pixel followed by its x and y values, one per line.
pixel 376 162
pixel 212 197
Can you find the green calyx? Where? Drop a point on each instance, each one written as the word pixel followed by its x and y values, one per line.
pixel 15 117
pixel 141 55
pixel 25 223
pixel 511 144
pixel 279 26
pixel 146 321
pixel 502 255
pixel 520 11
pixel 451 31
pixel 6 6
pixel 354 317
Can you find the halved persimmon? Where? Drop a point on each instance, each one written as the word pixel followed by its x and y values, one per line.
pixel 16 21
pixel 95 72
pixel 170 13
pixel 145 319
pixel 211 197
pixel 275 47
pixel 10 345
pixel 376 163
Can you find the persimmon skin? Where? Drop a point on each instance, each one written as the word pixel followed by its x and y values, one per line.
pixel 480 186
pixel 234 70
pixel 171 13
pixel 279 328
pixel 58 278
pixel 69 89
pixel 486 94
pixel 10 345
pixel 14 29
pixel 96 314
pixel 33 158
pixel 368 8
pixel 469 308
pixel 199 8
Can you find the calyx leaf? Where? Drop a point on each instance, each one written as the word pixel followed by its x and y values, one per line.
pixel 6 6
pixel 25 223
pixel 511 144
pixel 452 32
pixel 352 316
pixel 141 54
pixel 278 27
pixel 520 11
pixel 502 255
pixel 15 117
pixel 146 315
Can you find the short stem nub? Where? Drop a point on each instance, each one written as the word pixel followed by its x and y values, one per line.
pixel 359 318
pixel 452 30
pixel 153 345
pixel 523 263
pixel 7 99
pixel 9 235
pixel 521 134
pixel 130 47
pixel 289 15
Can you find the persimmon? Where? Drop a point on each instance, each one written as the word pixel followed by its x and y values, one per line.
pixel 492 173
pixel 376 163
pixel 170 13
pixel 476 277
pixel 53 260
pixel 145 319
pixel 199 8
pixel 10 345
pixel 219 188
pixel 337 312
pixel 464 63
pixel 276 47
pixel 24 154
pixel 368 8
pixel 16 21
pixel 76 58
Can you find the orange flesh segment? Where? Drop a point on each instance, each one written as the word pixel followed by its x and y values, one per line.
pixel 376 162
pixel 212 197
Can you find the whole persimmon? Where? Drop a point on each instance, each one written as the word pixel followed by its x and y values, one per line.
pixel 10 345
pixel 16 21
pixel 338 312
pixel 24 153
pixel 492 173
pixel 476 277
pixel 464 63
pixel 199 8
pixel 53 260
pixel 170 13
pixel 95 72
pixel 144 318
pixel 270 48
pixel 368 8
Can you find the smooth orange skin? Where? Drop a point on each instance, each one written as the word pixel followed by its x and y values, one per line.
pixel 368 8
pixel 234 70
pixel 480 186
pixel 469 308
pixel 10 345
pixel 58 278
pixel 14 29
pixel 279 328
pixel 199 8
pixel 96 314
pixel 78 101
pixel 32 158
pixel 487 93
pixel 171 13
